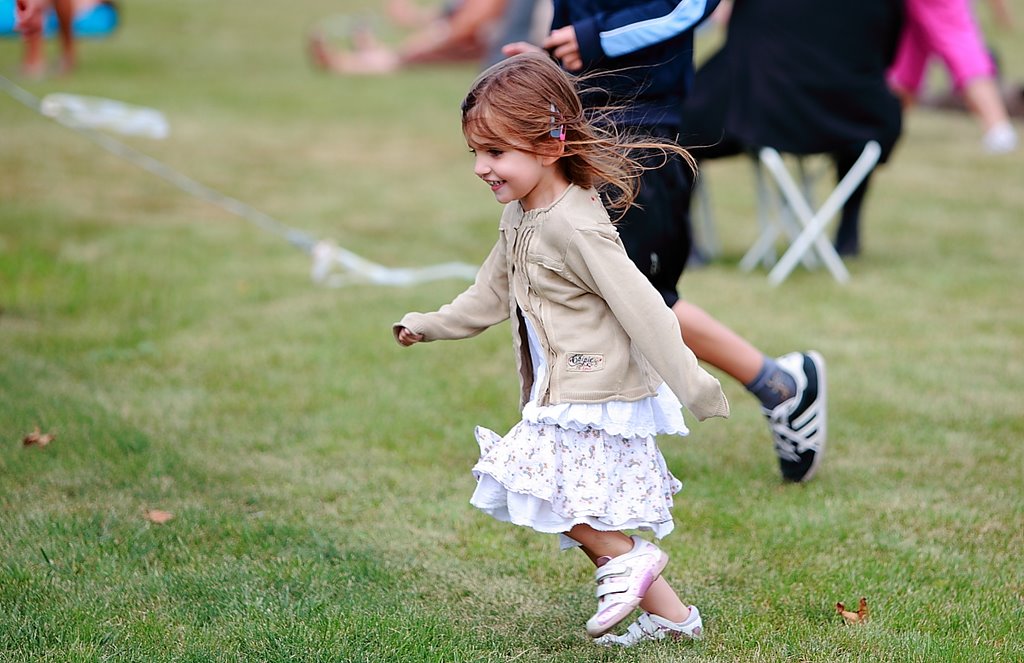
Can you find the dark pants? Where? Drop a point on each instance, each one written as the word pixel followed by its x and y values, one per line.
pixel 656 228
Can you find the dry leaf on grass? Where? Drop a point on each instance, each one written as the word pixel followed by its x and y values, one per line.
pixel 37 438
pixel 851 617
pixel 157 516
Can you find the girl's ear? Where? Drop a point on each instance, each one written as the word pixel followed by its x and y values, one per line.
pixel 552 153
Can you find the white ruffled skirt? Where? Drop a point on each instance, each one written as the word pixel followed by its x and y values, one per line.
pixel 581 463
pixel 569 464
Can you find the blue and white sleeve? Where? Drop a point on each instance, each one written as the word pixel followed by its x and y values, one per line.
pixel 619 33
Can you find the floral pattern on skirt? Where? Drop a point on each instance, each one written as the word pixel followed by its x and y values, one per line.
pixel 550 478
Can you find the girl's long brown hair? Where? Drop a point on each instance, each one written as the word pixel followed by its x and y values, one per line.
pixel 520 102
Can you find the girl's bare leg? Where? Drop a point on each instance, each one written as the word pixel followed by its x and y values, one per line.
pixel 660 599
pixel 663 601
pixel 599 544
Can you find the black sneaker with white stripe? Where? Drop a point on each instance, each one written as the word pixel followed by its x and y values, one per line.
pixel 799 424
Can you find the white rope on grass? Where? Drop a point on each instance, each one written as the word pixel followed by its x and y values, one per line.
pixel 333 266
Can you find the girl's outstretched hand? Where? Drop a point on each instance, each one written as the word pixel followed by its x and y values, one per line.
pixel 407 338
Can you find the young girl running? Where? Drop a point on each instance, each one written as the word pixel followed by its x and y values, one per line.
pixel 601 363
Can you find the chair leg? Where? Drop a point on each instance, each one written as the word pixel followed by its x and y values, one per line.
pixel 706 236
pixel 769 208
pixel 798 206
pixel 814 223
pixel 808 180
pixel 775 217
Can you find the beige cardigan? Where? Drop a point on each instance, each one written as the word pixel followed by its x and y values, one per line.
pixel 604 329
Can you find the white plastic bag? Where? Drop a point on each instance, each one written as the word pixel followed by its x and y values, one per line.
pixel 105 114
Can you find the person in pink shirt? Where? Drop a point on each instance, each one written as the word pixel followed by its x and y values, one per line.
pixel 948 29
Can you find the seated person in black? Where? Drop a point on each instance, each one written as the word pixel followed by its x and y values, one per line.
pixel 804 77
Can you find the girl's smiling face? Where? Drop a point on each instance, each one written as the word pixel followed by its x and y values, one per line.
pixel 534 180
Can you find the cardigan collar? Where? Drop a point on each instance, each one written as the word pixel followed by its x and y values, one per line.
pixel 520 216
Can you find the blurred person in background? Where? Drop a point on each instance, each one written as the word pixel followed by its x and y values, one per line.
pixel 805 77
pixel 457 31
pixel 948 29
pixel 69 20
pixel 29 17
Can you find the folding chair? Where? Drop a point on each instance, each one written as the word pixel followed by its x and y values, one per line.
pixel 774 217
pixel 807 240
pixel 705 237
pixel 806 79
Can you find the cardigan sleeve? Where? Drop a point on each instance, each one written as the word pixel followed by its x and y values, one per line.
pixel 600 262
pixel 484 304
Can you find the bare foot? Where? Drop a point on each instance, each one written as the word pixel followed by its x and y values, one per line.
pixel 34 70
pixel 365 39
pixel 374 61
pixel 67 65
pixel 371 58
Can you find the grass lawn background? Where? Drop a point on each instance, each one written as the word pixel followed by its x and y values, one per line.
pixel 319 475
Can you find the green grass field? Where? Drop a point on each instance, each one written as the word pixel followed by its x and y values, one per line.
pixel 318 474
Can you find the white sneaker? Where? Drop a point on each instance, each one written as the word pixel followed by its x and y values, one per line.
pixel 1000 139
pixel 799 425
pixel 653 627
pixel 622 582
